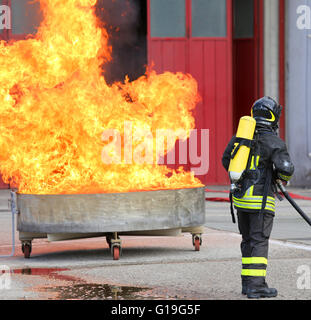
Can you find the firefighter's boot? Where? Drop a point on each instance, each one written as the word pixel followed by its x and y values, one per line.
pixel 261 292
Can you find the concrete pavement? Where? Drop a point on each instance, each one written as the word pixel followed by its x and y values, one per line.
pixel 160 267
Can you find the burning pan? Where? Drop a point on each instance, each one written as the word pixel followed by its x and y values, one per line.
pixel 60 217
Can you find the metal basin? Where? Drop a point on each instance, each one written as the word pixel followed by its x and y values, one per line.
pixel 118 212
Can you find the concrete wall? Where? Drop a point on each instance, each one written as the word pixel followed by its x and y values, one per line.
pixel 271 48
pixel 298 94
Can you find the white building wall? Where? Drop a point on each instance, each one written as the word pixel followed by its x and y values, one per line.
pixel 298 93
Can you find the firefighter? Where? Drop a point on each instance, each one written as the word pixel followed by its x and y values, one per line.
pixel 254 198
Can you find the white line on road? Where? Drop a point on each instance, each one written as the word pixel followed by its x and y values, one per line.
pixel 291 245
pixel 283 243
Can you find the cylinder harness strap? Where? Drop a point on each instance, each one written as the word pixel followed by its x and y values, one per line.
pixel 240 142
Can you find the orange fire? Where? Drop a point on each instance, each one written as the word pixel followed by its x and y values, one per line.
pixel 56 104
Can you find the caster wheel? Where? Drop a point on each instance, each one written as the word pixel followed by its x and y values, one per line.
pixel 26 248
pixel 197 244
pixel 196 241
pixel 116 252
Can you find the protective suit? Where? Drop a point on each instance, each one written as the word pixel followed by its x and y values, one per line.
pixel 254 199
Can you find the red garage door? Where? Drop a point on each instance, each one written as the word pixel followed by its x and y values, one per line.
pixel 195 36
pixel 247 55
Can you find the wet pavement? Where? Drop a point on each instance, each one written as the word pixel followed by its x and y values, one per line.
pixel 75 288
pixel 93 291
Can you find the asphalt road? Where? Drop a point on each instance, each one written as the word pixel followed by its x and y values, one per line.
pixel 158 267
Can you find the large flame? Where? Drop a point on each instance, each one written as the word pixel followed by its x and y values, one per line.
pixel 55 106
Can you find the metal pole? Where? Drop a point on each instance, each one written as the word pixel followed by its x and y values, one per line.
pixel 14 211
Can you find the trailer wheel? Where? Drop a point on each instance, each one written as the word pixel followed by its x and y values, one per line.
pixel 197 241
pixel 197 244
pixel 116 252
pixel 26 248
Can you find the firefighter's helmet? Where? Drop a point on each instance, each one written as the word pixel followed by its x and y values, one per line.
pixel 267 112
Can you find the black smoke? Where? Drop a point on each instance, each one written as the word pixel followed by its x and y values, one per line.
pixel 126 23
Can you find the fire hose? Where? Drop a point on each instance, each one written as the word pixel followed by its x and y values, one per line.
pixel 292 202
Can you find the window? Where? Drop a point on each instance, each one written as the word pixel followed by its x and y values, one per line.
pixel 25 16
pixel 209 18
pixel 168 18
pixel 243 19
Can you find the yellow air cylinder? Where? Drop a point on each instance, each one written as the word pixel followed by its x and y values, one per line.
pixel 238 164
